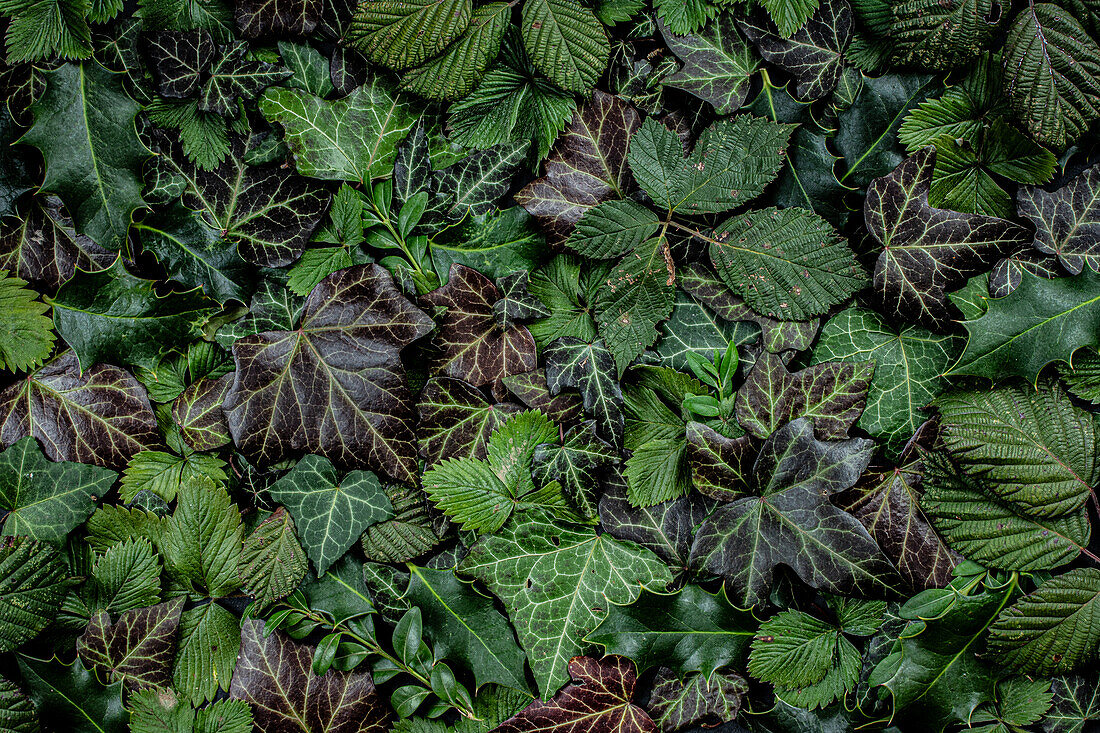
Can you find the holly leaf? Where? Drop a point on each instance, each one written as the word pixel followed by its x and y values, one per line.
pixel 1067 221
pixel 793 522
pixel 688 631
pixel 45 500
pixel 28 336
pixel 114 316
pixel 598 698
pixel 292 387
pixel 814 54
pixel 350 139
pixel 32 587
pixel 928 251
pixel 833 394
pixel 474 346
pixel 464 624
pixel 275 677
pixel 330 513
pixel 69 697
pixel 84 126
pixel 106 407
pixel 590 368
pixel 455 420
pixel 717 64
pixel 678 703
pixel 272 562
pixel 587 166
pixel 44 248
pixel 574 573
pixel 137 650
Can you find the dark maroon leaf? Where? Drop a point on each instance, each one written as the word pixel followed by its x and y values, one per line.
pixel 258 18
pixel 599 700
pixel 677 703
pixel 719 465
pixel 102 416
pixel 178 60
pixel 274 675
pixel 198 412
pixel 234 77
pixel 138 649
pixel 456 420
pixel 530 388
pixel 587 166
pixel 335 386
pixel 43 247
pixel 928 251
pixel 474 346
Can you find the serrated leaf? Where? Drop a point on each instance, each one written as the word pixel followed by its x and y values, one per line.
pixel 404 34
pixel 936 35
pixel 272 562
pixel 566 42
pixel 209 639
pixel 17 713
pixel 455 73
pixel 612 229
pixel 330 513
pixel 32 586
pixel 41 30
pixel 137 650
pixel 793 649
pixel 28 336
pixel 558 285
pixel 717 64
pixel 126 577
pixel 165 474
pixel 202 542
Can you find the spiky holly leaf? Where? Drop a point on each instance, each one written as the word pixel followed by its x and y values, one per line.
pixel 275 676
pixel 928 251
pixel 455 73
pixel 138 649
pixel 557 581
pixel 793 522
pixel 888 505
pixel 464 624
pixel 1051 74
pixel 350 139
pixel 45 500
pixel 590 368
pixel 717 64
pixel 32 586
pixel 991 531
pixel 84 126
pixel 101 417
pixel 44 248
pixel 28 336
pixel 257 18
pixel 787 264
pixel 113 316
pixel 1033 448
pixel 1067 221
pixel 689 631
pixel 401 35
pixel 293 391
pixel 330 512
pixel 1041 321
pixel 599 698
pixel 272 562
pixel 69 697
pixel 586 166
pixel 565 42
pixel 677 703
pixel 202 541
pixel 833 394
pixel 813 55
pixel 474 346
pixel 455 420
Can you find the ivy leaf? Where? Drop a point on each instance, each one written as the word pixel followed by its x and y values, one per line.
pixel 202 542
pixel 45 500
pixel 105 406
pixel 291 387
pixel 689 631
pixel 942 36
pixel 1067 221
pixel 574 574
pixel 475 348
pixel 350 139
pixel 275 677
pixel 814 54
pixel 565 42
pixel 198 413
pixel 590 368
pixel 477 182
pixel 138 649
pixel 989 530
pixel 113 316
pixel 1051 74
pixel 599 698
pixel 1033 448
pixel 719 465
pixel 928 251
pixel 759 253
pixel 455 73
pixel 455 420
pixel 69 697
pixel 574 464
pixel 28 336
pixel 1076 702
pixel 32 587
pixel 717 64
pixel 531 389
pixel 464 624
pixel 406 34
pixel 888 505
pixel 330 513
pixel 232 77
pixel 257 18
pixel 1041 321
pixel 587 166
pixel 833 393
pixel 793 522
pixel 44 248
pixel 682 703
pixel 84 126
pixel 1052 630
pixel 516 303
pixel 695 329
pixel 178 60
pixel 272 562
